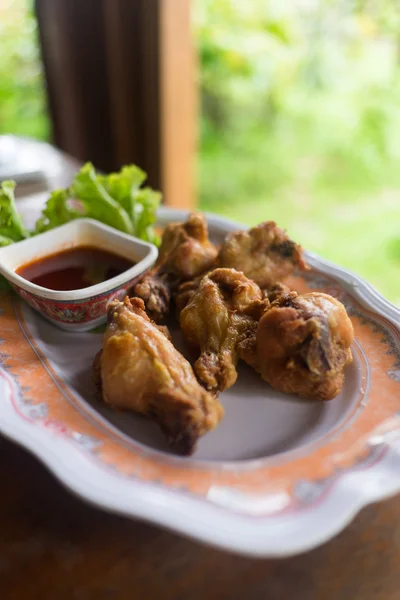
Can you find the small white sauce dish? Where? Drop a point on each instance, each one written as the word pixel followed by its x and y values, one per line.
pixel 86 308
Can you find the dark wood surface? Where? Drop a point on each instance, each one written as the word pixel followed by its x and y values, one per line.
pixel 121 86
pixel 53 546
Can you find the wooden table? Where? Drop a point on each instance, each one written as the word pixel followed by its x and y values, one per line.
pixel 53 546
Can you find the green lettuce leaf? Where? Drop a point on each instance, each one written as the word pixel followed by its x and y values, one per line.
pixel 12 228
pixel 123 185
pixel 89 189
pixel 58 210
pixel 116 199
pixel 146 202
pixel 5 241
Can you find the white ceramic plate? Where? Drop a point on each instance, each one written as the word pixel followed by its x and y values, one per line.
pixel 278 476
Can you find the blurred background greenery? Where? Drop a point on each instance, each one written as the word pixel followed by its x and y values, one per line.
pixel 300 119
pixel 22 93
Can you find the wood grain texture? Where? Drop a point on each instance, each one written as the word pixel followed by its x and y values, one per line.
pixel 121 86
pixel 74 57
pixel 178 103
pixel 54 546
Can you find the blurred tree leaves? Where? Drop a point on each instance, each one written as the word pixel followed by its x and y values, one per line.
pixel 300 66
pixel 300 123
pixel 22 97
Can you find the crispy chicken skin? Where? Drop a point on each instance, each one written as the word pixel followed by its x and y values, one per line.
pixel 186 291
pixel 186 250
pixel 139 369
pixel 185 253
pixel 301 345
pixel 221 311
pixel 154 288
pixel 264 253
pixel 275 291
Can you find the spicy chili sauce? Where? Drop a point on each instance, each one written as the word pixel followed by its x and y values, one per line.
pixel 74 268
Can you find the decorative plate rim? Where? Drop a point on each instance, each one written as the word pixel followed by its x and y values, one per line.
pixel 283 534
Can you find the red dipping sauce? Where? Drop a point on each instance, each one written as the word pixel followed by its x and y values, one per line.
pixel 74 268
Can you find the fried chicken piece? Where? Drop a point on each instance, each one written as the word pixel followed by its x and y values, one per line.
pixel 154 289
pixel 185 253
pixel 188 288
pixel 275 291
pixel 264 253
pixel 221 312
pixel 301 345
pixel 186 292
pixel 140 370
pixel 186 250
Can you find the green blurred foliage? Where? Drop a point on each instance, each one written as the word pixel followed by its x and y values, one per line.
pixel 22 97
pixel 301 124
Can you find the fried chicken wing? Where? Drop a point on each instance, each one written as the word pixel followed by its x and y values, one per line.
pixel 222 311
pixel 154 288
pixel 186 291
pixel 275 291
pixel 186 250
pixel 185 253
pixel 264 253
pixel 301 345
pixel 140 370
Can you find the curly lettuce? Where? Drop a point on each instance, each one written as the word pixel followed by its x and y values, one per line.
pixel 58 210
pixel 12 228
pixel 116 199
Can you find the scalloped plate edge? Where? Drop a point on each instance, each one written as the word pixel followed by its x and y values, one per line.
pixel 281 535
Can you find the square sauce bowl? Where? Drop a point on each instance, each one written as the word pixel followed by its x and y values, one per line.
pixel 76 309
